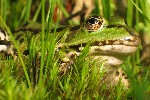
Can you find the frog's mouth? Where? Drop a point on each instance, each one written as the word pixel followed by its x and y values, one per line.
pixel 122 46
pixel 113 49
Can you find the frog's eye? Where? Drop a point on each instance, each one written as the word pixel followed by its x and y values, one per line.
pixel 94 23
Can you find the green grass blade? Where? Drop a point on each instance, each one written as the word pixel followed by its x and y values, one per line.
pixel 42 45
pixel 37 12
pixel 28 9
pixel 129 13
pixel 144 15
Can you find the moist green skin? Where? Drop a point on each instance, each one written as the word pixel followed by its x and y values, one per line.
pixel 115 30
pixel 106 34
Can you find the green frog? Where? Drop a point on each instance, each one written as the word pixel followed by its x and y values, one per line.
pixel 110 43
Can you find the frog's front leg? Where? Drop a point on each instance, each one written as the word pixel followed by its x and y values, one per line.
pixel 67 61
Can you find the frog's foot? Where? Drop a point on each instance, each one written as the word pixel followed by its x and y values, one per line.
pixel 67 62
pixel 64 68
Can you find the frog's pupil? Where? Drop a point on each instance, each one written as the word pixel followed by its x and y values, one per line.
pixel 92 20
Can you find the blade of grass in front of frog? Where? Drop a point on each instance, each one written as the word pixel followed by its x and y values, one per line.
pixel 51 40
pixel 19 53
pixel 40 82
pixel 33 60
pixel 37 12
pixel 129 16
pixel 136 57
pixel 79 61
pixel 28 9
pixel 50 14
pixel 84 53
pixel 82 75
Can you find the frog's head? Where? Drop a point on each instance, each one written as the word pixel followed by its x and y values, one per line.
pixel 108 38
pixel 101 32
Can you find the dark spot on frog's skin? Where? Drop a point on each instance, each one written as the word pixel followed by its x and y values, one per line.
pixel 5 42
pixel 104 42
pixel 97 49
pixel 6 54
pixel 26 23
pixel 73 56
pixel 117 73
pixel 112 42
pixel 123 74
pixel 18 36
pixel 21 40
pixel 3 31
pixel 126 77
pixel 108 42
pixel 76 47
pixel 15 51
pixel 34 31
pixel 112 26
pixel 75 28
pixel 26 52
pixel 2 51
pixel 58 29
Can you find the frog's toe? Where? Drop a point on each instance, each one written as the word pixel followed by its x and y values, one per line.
pixel 64 68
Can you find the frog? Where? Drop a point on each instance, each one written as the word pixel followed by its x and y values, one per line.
pixel 111 42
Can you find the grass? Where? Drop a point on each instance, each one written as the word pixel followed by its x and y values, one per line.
pixel 19 80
